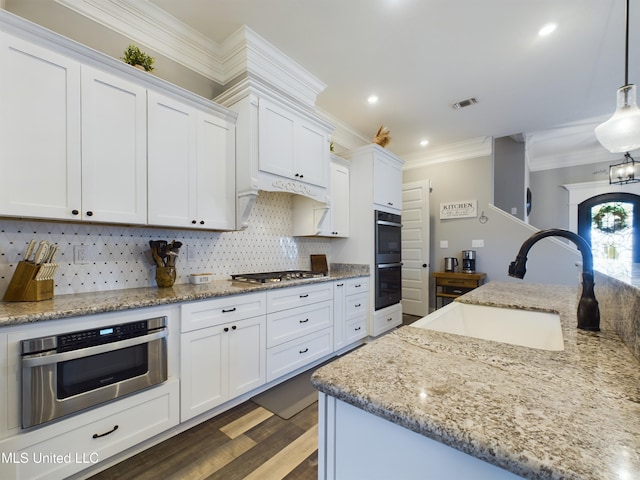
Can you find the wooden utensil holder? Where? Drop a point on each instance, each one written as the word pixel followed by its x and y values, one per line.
pixel 25 288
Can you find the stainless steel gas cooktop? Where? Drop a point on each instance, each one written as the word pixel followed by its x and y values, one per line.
pixel 267 277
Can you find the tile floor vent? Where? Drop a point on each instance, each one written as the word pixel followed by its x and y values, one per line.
pixel 465 103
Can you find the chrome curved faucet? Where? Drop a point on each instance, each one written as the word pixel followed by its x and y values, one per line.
pixel 588 310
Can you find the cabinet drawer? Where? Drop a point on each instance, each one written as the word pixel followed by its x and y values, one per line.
pixel 80 445
pixel 357 285
pixel 355 329
pixel 294 323
pixel 297 353
pixel 208 313
pixel 357 305
pixel 386 319
pixel 457 282
pixel 291 297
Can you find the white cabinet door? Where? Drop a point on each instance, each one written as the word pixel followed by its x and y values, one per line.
pixel 276 139
pixel 215 173
pixel 114 149
pixel 339 200
pixel 291 147
pixel 339 314
pixel 311 154
pixel 387 182
pixel 203 371
pixel 39 131
pixel 219 363
pixel 171 163
pixel 191 166
pixel 247 355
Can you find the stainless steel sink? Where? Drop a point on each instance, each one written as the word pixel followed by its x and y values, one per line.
pixel 525 328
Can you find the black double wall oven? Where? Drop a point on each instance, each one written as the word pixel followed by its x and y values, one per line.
pixel 388 270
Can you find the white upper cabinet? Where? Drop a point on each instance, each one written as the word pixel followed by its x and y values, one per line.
pixel 39 131
pixel 114 149
pixel 312 218
pixel 291 147
pixel 73 138
pixel 191 166
pixel 75 143
pixel 387 181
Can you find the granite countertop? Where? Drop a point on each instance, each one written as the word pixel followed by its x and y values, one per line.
pixel 572 414
pixel 63 306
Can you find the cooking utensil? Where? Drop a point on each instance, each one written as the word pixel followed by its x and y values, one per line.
pixel 30 249
pixel 41 252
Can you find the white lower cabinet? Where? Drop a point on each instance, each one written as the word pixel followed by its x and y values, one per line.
pixel 350 311
pixel 386 318
pixel 357 444
pixel 290 356
pixel 82 441
pixel 299 326
pixel 224 357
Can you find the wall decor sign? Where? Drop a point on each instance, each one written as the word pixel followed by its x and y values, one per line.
pixel 459 209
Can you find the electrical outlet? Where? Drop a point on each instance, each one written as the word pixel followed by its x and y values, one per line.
pixel 81 254
pixel 477 243
pixel 191 253
pixel 444 243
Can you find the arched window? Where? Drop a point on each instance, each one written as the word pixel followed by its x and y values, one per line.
pixel 610 223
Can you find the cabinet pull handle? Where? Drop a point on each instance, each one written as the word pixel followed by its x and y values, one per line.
pixel 390 204
pixel 340 285
pixel 358 305
pixel 301 176
pixel 228 310
pixel 89 213
pixel 359 328
pixel 193 221
pixel 304 321
pixel 297 175
pixel 305 350
pixel 75 212
pixel 304 296
pixel 234 327
pixel 98 435
pixel 389 319
pixel 226 329
pixel 201 222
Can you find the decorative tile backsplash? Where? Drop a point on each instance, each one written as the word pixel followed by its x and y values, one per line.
pixel 116 254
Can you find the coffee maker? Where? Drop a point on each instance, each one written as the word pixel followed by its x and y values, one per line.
pixel 469 261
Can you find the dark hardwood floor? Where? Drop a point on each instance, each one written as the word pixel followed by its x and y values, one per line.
pixel 246 442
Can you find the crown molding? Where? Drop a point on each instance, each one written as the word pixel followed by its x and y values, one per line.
pixel 473 148
pixel 244 50
pixel 150 26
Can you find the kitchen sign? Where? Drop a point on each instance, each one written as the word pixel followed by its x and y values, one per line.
pixel 460 209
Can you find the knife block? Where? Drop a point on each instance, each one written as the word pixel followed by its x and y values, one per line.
pixel 25 288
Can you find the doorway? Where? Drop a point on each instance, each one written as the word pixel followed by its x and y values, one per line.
pixel 610 223
pixel 415 248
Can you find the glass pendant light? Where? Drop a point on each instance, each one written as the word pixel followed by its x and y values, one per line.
pixel 621 133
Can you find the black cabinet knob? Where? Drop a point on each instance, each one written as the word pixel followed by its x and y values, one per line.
pixel 89 213
pixel 75 212
pixel 194 222
pixel 201 222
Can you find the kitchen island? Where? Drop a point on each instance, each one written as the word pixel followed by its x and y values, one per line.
pixel 571 414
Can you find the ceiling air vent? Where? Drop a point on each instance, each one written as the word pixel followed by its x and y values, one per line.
pixel 465 103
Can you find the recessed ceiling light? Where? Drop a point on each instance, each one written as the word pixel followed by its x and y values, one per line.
pixel 424 143
pixel 547 29
pixel 373 99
